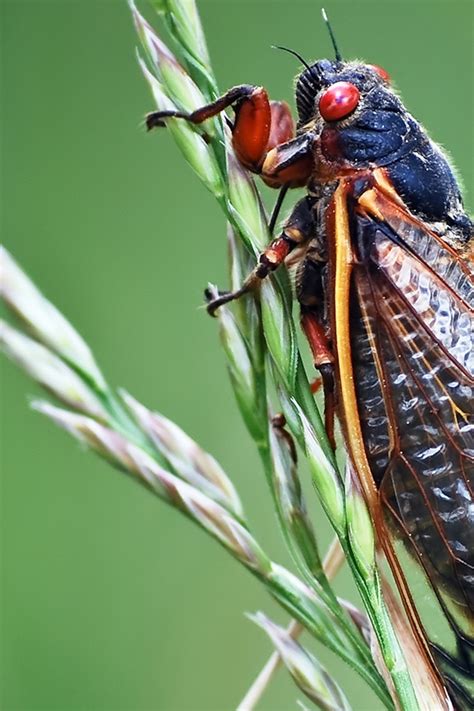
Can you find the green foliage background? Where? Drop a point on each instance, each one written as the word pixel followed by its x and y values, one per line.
pixel 112 601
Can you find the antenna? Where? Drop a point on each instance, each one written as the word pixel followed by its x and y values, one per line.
pixel 292 51
pixel 331 34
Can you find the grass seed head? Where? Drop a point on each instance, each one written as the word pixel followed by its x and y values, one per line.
pixel 242 372
pixel 245 204
pixel 179 86
pixel 193 147
pixel 187 458
pixel 50 371
pixel 325 478
pixel 186 25
pixel 43 320
pixel 309 675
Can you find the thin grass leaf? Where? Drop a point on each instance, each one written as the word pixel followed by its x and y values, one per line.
pixel 305 606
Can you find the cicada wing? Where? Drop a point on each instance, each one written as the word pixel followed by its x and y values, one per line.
pixel 411 325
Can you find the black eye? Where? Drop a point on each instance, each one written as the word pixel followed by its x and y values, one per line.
pixel 306 91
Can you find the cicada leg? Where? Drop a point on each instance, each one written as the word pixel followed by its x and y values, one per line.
pixel 324 362
pixel 296 231
pixel 262 134
pixel 311 287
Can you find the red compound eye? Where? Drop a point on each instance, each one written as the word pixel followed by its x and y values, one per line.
pixel 339 101
pixel 381 72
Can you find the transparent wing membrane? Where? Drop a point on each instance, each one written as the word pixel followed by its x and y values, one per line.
pixel 412 350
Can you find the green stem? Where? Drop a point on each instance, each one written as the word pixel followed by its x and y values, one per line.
pixel 368 672
pixel 390 649
pixel 353 650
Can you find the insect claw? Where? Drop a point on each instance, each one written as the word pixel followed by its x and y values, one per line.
pixel 278 422
pixel 213 304
pixel 153 120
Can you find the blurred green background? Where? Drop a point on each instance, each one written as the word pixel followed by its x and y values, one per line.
pixel 110 599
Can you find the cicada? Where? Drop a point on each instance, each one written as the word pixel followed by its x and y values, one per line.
pixel 385 282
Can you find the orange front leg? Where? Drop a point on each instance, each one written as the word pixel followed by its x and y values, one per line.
pixel 262 134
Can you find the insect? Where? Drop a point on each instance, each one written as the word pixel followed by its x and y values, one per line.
pixel 385 283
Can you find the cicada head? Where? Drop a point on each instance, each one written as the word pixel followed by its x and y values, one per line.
pixel 327 76
pixel 360 124
pixel 358 118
